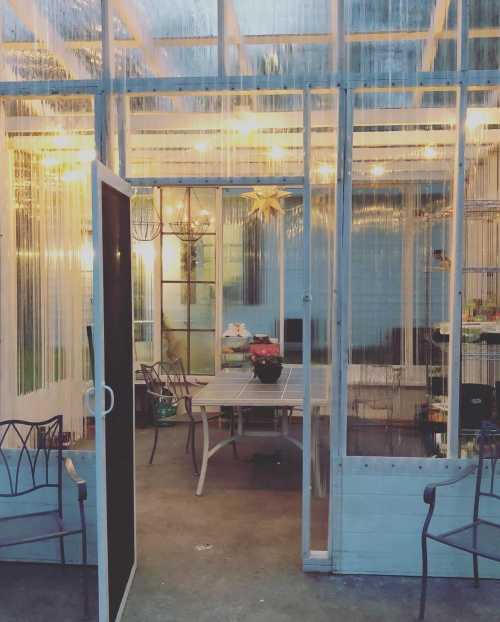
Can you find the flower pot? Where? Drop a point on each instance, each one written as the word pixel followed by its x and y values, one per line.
pixel 266 372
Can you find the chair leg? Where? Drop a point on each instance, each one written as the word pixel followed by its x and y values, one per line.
pixel 154 446
pixel 85 572
pixel 61 550
pixel 188 440
pixel 193 448
pixel 235 451
pixel 423 593
pixel 476 570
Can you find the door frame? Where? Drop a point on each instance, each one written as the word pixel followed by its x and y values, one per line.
pixel 100 175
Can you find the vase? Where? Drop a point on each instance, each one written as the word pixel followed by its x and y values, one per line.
pixel 268 373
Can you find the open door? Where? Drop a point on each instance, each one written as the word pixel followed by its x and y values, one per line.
pixel 114 390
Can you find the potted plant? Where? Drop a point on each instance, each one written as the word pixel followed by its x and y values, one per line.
pixel 267 368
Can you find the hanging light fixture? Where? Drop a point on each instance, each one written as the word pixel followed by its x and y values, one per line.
pixel 186 228
pixel 146 221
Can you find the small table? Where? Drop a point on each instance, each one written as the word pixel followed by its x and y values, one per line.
pixel 238 388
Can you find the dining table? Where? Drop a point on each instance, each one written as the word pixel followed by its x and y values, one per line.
pixel 239 389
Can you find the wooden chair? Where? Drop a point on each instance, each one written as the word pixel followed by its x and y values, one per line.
pixel 481 537
pixel 30 468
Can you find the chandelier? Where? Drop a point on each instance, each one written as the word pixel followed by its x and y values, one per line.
pixel 189 229
pixel 146 221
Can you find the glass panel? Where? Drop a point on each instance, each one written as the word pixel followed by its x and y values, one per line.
pixel 255 134
pixel 175 258
pixel 484 40
pixel 179 25
pixel 143 264
pixel 175 306
pixel 202 306
pixel 323 175
pixel 251 266
pixel 32 47
pixel 203 259
pixel 49 171
pixel 202 206
pixel 174 345
pixel 480 391
pixel 202 352
pixel 386 37
pixel 401 199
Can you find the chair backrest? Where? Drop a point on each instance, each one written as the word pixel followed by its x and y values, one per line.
pixel 29 467
pixel 489 450
pixel 152 378
pixel 175 377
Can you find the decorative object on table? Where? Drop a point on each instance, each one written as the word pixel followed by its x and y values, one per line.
pixel 267 368
pixel 266 201
pixel 146 221
pixel 186 228
pixel 236 338
pixel 263 346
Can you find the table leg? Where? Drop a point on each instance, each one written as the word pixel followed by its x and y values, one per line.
pixel 206 442
pixel 315 453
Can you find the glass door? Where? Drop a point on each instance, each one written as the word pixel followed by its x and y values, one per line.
pixel 114 390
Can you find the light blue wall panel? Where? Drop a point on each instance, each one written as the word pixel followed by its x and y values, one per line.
pixel 379 512
pixel 46 499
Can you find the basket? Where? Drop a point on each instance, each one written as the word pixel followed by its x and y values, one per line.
pixel 163 410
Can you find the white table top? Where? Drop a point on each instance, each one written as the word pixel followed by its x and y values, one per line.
pixel 235 387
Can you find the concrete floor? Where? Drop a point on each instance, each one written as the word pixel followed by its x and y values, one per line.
pixel 233 554
pixel 248 568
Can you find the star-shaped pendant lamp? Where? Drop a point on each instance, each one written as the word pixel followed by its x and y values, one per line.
pixel 266 201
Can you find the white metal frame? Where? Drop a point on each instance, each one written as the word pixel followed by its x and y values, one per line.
pixel 102 175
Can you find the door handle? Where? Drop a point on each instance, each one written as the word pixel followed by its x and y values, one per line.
pixel 91 392
pixel 86 399
pixel 112 397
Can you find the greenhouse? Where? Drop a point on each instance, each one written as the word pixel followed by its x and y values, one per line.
pixel 234 189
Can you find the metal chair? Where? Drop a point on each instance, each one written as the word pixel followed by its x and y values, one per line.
pixel 481 537
pixel 173 390
pixel 30 468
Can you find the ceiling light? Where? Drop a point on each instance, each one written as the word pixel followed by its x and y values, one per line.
pixel 430 152
pixel 86 155
pixel 50 160
pixel 475 118
pixel 201 147
pixel 377 170
pixel 277 152
pixel 73 175
pixel 326 170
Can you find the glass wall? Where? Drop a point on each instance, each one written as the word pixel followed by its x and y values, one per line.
pixel 50 144
pixel 480 344
pixel 402 181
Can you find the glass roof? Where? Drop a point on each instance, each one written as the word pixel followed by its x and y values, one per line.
pixel 61 39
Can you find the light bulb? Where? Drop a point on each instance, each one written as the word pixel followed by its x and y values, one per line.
pixel 377 170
